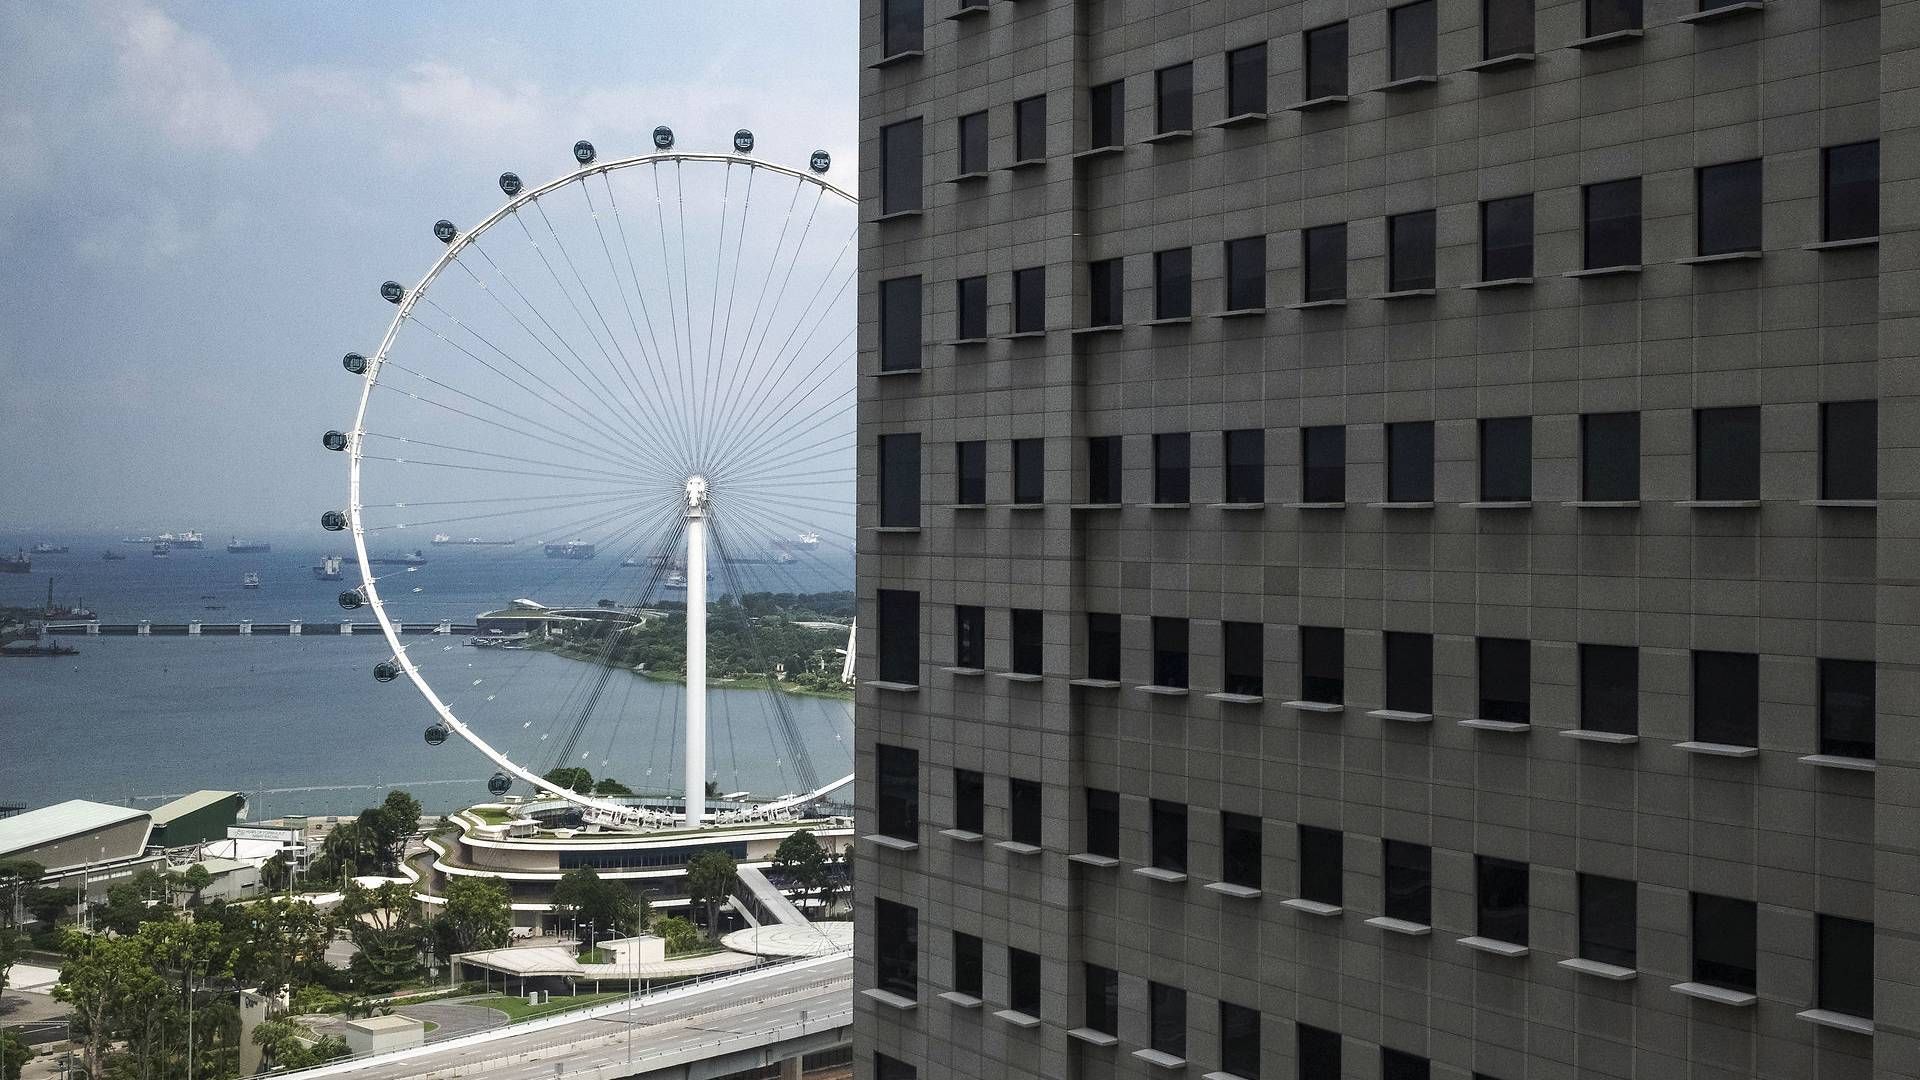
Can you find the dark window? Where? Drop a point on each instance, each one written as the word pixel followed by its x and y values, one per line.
pixel 969 636
pixel 1240 851
pixel 1024 647
pixel 1167 1019
pixel 1246 266
pixel 1410 461
pixel 899 636
pixel 1610 689
pixel 970 473
pixel 1169 839
pixel 1409 661
pixel 1103 823
pixel 1847 708
pixel 899 785
pixel 1846 966
pixel 1247 80
pixel 1245 454
pixel 900 166
pixel 897 952
pixel 1502 897
pixel 1506 238
pixel 1173 284
pixel 1029 471
pixel 1612 229
pixel 1323 464
pixel 969 801
pixel 1173 95
pixel 1103 469
pixel 1409 881
pixel 1609 920
pixel 900 324
pixel 1850 191
pixel 967 966
pixel 1105 280
pixel 1321 865
pixel 973 143
pixel 1400 1065
pixel 1318 1050
pixel 886 1068
pixel 1169 652
pixel 1023 810
pixel 1410 261
pixel 1102 993
pixel 1724 942
pixel 1610 457
pixel 901 26
pixel 1030 128
pixel 1850 450
pixel 1612 16
pixel 1413 32
pixel 899 480
pixel 1103 646
pixel 1324 249
pixel 1505 674
pixel 1172 454
pixel 1106 115
pixel 1506 459
pixel 1326 51
pixel 1023 981
pixel 1726 698
pixel 1323 664
pixel 1506 28
pixel 970 308
pixel 1726 447
pixel 1030 300
pixel 1728 208
pixel 1240 1040
pixel 1242 654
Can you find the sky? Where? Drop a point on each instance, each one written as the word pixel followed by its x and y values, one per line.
pixel 201 201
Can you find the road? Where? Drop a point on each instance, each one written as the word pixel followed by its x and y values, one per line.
pixel 745 1012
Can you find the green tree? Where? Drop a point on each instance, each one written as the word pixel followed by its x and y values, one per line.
pixel 286 1048
pixel 342 853
pixel 832 883
pixel 475 916
pixel 130 904
pixel 710 878
pixel 802 863
pixel 18 877
pixel 14 1054
pixel 679 934
pixel 276 873
pixel 11 943
pixel 587 898
pixel 395 820
pixel 103 979
pixel 607 785
pixel 387 930
pixel 571 777
pixel 192 881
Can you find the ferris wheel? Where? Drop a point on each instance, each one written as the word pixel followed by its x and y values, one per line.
pixel 620 393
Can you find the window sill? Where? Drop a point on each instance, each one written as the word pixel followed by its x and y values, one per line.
pixel 1719 504
pixel 1842 245
pixel 1023 507
pixel 1239 313
pixel 965 506
pixel 1314 305
pixel 1326 101
pixel 1722 257
pixel 893 687
pixel 1858 1025
pixel 1237 507
pixel 1095 684
pixel 1607 41
pixel 968 11
pixel 897 215
pixel 960 1000
pixel 1026 163
pixel 1495 63
pixel 1400 926
pixel 1015 847
pixel 1098 151
pixel 1714 749
pixel 1498 504
pixel 969 177
pixel 893 842
pixel 1315 505
pixel 1836 761
pixel 1403 294
pixel 961 343
pixel 1494 947
pixel 1505 727
pixel 964 672
pixel 906 529
pixel 1611 972
pixel 1176 135
pixel 1221 1075
pixel 1109 328
pixel 1402 717
pixel 1092 1037
pixel 1023 335
pixel 891 999
pixel 1411 82
pixel 1401 505
pixel 1165 506
pixel 1843 504
pixel 1228 888
pixel 1719 995
pixel 1499 283
pixel 898 58
pixel 1165 877
pixel 1237 699
pixel 1724 11
pixel 1314 907
pixel 962 836
pixel 1604 271
pixel 1088 858
pixel 1327 707
pixel 1603 504
pixel 1164 691
pixel 1018 1018
pixel 1161 1059
pixel 1171 320
pixel 891 372
pixel 1019 676
pixel 1610 738
pixel 1096 506
pixel 1240 120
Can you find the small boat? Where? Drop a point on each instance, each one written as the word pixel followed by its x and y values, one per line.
pixel 785 558
pixel 113 556
pixel 578 550
pixel 162 550
pixel 808 539
pixel 329 568
pixel 237 546
pixel 676 580
pixel 249 580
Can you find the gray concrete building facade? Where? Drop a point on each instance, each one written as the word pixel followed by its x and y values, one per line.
pixel 1387 539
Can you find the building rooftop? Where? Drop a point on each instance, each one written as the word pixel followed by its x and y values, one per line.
pixel 37 828
pixel 392 1022
pixel 186 804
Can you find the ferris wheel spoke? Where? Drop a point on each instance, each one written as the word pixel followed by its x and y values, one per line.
pixel 653 479
pixel 682 366
pixel 841 448
pixel 713 298
pixel 624 465
pixel 710 401
pixel 794 398
pixel 772 509
pixel 659 355
pixel 624 502
pixel 773 443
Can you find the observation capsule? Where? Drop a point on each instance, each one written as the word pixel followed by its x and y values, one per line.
pixel 386 671
pixel 355 363
pixel 351 599
pixel 743 141
pixel 334 440
pixel 392 292
pixel 663 138
pixel 444 231
pixel 510 183
pixel 819 161
pixel 436 734
pixel 583 152
pixel 500 783
pixel 333 520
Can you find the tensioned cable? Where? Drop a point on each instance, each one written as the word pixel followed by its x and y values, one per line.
pixel 713 300
pixel 796 744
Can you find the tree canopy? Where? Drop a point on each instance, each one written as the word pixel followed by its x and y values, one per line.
pixel 710 878
pixel 583 897
pixel 475 916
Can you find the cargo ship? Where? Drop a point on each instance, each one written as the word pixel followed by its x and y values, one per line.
pixel 442 540
pixel 237 546
pixel 411 558
pixel 187 541
pixel 18 563
pixel 250 580
pixel 329 568
pixel 76 613
pixel 49 549
pixel 113 556
pixel 572 549
pixel 162 550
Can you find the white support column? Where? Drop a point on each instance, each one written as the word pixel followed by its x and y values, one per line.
pixel 696 650
pixel 293 628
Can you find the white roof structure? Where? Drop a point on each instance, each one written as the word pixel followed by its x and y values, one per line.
pixel 38 828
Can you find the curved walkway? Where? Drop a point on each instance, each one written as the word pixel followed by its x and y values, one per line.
pixel 807 939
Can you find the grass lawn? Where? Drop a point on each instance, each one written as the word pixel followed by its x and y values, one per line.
pixel 517 1008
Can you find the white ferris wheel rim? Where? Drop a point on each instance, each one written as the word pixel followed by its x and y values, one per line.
pixel 368 587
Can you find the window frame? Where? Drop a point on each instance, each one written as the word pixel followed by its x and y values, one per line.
pixel 1100 998
pixel 1026 641
pixel 1243 458
pixel 1604 244
pixel 1173 468
pixel 1848 687
pixel 1242 658
pixel 1843 965
pixel 1602 477
pixel 1726 697
pixel 970 473
pixel 1167 835
pixel 899 664
pixel 1413 437
pixel 1104 662
pixel 1412 258
pixel 969 636
pixel 1497 883
pixel 1497 261
pixel 1239 1040
pixel 1102 808
pixel 1317 82
pixel 970 800
pixel 1167 1019
pixel 902 309
pixel 1030 128
pixel 1724 926
pixel 1030 300
pixel 1323 480
pixel 1850 450
pixel 1107 127
pixel 1173 284
pixel 1413 686
pixel 1027 464
pixel 1323 259
pixel 973 138
pixel 1506 459
pixel 1026 806
pixel 897 792
pixel 1505 668
pixel 970 308
pixel 969 965
pixel 1322 864
pixel 902 28
pixel 1604 936
pixel 1172 652
pixel 1729 220
pixel 896 962
pixel 1517 39
pixel 1859 200
pixel 1244 273
pixel 1106 292
pixel 1626 15
pixel 1106 461
pixel 1242 844
pixel 1406 872
pixel 1610 679
pixel 1726 459
pixel 900 480
pixel 1314 652
pixel 1173 99
pixel 1246 82
pixel 1317 1052
pixel 1413 58
pixel 1024 991
pixel 902 168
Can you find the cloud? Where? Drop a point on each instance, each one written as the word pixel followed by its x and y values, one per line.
pixel 182 85
pixel 451 99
